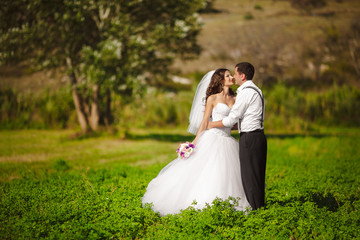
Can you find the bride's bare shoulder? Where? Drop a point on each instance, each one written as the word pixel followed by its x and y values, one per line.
pixel 216 96
pixel 212 97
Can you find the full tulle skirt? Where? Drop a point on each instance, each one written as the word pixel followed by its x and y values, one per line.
pixel 212 171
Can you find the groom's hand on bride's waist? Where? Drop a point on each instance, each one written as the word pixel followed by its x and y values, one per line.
pixel 217 124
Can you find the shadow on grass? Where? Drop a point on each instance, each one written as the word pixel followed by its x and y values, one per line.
pixel 160 137
pixel 183 137
pixel 328 201
pixel 320 199
pixel 297 135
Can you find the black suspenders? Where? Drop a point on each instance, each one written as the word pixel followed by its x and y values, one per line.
pixel 262 101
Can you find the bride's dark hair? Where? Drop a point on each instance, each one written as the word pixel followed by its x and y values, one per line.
pixel 215 83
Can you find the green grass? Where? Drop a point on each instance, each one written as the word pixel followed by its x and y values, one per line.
pixel 56 186
pixel 38 150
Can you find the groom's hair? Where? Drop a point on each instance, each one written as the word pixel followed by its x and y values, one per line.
pixel 247 69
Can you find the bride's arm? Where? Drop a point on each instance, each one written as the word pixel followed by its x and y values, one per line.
pixel 207 114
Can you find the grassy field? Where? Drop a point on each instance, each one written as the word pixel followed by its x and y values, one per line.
pixel 54 185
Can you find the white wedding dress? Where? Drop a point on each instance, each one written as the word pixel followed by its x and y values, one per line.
pixel 213 170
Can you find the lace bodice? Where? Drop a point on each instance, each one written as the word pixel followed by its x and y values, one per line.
pixel 220 111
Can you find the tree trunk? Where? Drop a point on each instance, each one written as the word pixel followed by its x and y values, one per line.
pixel 78 102
pixel 317 70
pixel 108 119
pixel 95 113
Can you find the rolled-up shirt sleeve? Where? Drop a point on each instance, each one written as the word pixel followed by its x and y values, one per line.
pixel 238 110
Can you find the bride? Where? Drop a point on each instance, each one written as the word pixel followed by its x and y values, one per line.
pixel 213 170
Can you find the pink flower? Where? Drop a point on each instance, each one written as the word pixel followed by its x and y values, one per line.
pixel 185 150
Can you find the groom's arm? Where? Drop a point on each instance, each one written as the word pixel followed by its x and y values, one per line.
pixel 237 112
pixel 217 124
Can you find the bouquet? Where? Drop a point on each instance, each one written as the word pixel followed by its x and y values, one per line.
pixel 185 150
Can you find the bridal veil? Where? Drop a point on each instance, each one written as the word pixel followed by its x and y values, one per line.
pixel 199 102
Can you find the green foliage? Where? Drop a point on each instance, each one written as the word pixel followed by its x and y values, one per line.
pixel 248 16
pixel 157 109
pixel 287 109
pixel 61 165
pixel 44 110
pixel 294 110
pixel 312 192
pixel 335 106
pixel 258 7
pixel 208 7
pixel 122 45
pixel 136 49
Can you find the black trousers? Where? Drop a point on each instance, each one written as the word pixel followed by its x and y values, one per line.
pixel 253 150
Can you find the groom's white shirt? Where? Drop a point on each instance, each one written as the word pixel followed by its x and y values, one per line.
pixel 247 110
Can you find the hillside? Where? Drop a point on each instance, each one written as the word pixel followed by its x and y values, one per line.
pixel 270 34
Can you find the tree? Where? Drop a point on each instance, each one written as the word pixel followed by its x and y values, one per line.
pixel 102 45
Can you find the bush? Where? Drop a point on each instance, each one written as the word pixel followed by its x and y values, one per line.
pixel 248 16
pixel 61 165
pixel 156 109
pixel 287 109
pixel 293 110
pixel 44 110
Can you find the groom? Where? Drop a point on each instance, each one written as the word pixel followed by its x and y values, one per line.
pixel 248 112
